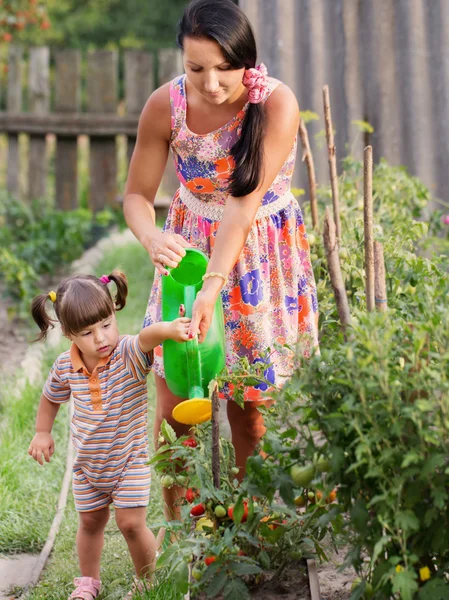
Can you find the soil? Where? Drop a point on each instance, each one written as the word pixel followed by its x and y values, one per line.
pixel 294 584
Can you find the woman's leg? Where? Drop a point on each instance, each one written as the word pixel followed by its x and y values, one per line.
pixel 89 541
pixel 247 428
pixel 141 542
pixel 165 403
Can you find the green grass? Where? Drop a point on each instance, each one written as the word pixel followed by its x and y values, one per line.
pixel 117 570
pixel 28 492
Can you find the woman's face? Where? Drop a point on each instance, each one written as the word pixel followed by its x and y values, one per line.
pixel 209 73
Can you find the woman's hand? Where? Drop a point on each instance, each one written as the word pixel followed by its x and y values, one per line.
pixel 202 312
pixel 167 250
pixel 42 443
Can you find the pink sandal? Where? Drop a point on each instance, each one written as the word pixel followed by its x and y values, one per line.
pixel 87 588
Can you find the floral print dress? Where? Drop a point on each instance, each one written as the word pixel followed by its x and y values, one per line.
pixel 270 297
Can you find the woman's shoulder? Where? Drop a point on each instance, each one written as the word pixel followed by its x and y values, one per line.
pixel 281 97
pixel 155 116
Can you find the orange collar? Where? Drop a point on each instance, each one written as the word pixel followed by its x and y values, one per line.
pixel 78 363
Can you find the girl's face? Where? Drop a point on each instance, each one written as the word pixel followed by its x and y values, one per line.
pixel 99 340
pixel 209 73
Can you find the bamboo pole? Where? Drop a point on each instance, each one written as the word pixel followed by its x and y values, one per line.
pixel 333 263
pixel 380 286
pixel 307 157
pixel 332 160
pixel 215 438
pixel 368 225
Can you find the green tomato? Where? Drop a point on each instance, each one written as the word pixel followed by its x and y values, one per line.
pixel 368 593
pixel 167 481
pixel 220 511
pixel 197 573
pixel 323 465
pixel 235 470
pixel 311 239
pixel 343 253
pixel 302 476
pixel 161 440
pixel 182 480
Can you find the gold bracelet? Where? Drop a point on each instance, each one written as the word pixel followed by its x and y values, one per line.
pixel 214 274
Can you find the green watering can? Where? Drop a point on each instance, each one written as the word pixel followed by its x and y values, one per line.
pixel 190 366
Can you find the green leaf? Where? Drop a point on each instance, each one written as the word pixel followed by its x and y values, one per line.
pixel 404 583
pixel 245 568
pixel 180 577
pixel 235 589
pixel 217 583
pixel 168 432
pixel 407 521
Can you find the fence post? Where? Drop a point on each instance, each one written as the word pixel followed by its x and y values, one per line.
pixel 14 105
pixel 139 77
pixel 102 98
pixel 67 99
pixel 39 103
pixel 169 66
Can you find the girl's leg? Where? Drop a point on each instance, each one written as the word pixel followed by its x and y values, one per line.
pixel 89 541
pixel 166 401
pixel 140 540
pixel 247 428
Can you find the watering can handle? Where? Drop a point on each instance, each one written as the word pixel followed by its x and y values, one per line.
pixel 194 374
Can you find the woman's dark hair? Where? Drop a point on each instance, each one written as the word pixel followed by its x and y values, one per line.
pixel 227 24
pixel 81 301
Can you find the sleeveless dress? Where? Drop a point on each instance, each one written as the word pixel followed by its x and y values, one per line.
pixel 270 299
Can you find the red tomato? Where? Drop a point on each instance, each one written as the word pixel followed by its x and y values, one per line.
pixel 197 510
pixel 209 560
pixel 191 494
pixel 245 512
pixel 190 443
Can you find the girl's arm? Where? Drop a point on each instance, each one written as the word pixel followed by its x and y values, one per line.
pixel 144 177
pixel 43 443
pixel 155 334
pixel 282 125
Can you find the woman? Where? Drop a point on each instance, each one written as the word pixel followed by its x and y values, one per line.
pixel 232 131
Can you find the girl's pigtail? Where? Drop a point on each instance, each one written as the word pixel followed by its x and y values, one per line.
pixel 121 284
pixel 40 315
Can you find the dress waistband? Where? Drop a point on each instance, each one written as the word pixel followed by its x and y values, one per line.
pixel 214 211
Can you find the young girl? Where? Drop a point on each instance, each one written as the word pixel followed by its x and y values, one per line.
pixel 106 375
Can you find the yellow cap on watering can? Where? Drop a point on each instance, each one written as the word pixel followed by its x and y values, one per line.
pixel 190 367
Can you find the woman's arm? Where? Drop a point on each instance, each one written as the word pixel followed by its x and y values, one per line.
pixel 282 125
pixel 144 177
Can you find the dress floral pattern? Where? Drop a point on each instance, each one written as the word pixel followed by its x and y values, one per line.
pixel 270 297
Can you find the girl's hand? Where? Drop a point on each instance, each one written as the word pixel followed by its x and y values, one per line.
pixel 167 250
pixel 178 330
pixel 42 443
pixel 202 312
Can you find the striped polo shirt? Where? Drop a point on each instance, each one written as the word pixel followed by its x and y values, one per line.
pixel 109 423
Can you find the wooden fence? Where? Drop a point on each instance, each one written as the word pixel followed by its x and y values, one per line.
pixel 63 102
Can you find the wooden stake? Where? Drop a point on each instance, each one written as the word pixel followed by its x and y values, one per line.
pixel 215 437
pixel 368 225
pixel 307 157
pixel 333 263
pixel 380 286
pixel 332 160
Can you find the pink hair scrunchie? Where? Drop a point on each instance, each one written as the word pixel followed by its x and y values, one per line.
pixel 256 81
pixel 104 279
